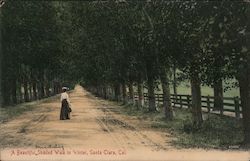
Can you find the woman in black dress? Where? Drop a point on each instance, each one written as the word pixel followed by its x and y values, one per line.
pixel 65 109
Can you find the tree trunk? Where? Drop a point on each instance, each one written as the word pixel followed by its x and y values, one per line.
pixel 6 93
pixel 244 82
pixel 41 85
pixel 47 89
pixel 34 87
pixel 218 95
pixel 19 91
pixel 46 84
pixel 131 93
pixel 41 90
pixel 105 89
pixel 56 87
pixel 167 104
pixel 97 91
pixel 140 92
pixel 196 101
pixel 151 95
pixel 26 93
pixel 151 85
pixel 13 91
pixel 109 93
pixel 175 82
pixel 100 93
pixel 117 92
pixel 112 93
pixel 124 93
pixel 30 91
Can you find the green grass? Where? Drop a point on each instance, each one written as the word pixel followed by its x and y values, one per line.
pixel 216 132
pixel 9 112
pixel 184 88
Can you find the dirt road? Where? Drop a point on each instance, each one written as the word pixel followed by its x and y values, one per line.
pixel 94 132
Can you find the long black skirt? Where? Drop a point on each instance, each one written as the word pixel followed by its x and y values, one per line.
pixel 64 110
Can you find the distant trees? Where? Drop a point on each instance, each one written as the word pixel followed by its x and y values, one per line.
pixel 31 51
pixel 134 43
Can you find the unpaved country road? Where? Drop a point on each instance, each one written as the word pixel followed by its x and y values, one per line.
pixel 95 132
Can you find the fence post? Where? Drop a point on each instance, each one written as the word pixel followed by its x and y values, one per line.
pixel 145 98
pixel 188 101
pixel 222 108
pixel 237 107
pixel 208 104
pixel 180 102
pixel 174 99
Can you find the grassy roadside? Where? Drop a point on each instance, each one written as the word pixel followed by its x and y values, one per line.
pixel 185 88
pixel 9 112
pixel 216 132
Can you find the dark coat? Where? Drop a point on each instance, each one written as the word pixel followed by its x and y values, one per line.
pixel 64 110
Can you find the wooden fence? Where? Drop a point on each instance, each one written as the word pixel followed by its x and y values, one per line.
pixel 230 104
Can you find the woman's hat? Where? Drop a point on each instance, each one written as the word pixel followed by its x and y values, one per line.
pixel 65 88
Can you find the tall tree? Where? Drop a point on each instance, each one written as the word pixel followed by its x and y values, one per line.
pixel 244 77
pixel 1 52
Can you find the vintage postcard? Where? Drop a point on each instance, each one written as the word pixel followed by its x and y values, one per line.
pixel 124 80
